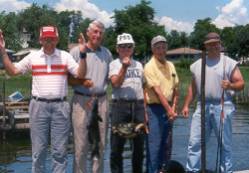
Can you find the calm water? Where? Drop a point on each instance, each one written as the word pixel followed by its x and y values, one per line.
pixel 15 154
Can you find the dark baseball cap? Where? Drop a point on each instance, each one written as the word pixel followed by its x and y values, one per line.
pixel 212 37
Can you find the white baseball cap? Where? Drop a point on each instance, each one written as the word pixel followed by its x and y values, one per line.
pixel 125 38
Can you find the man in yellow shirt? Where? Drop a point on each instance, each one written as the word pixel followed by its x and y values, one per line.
pixel 161 93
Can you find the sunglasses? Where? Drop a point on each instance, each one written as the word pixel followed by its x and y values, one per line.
pixel 125 46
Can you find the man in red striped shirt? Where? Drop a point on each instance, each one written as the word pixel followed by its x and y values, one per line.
pixel 49 111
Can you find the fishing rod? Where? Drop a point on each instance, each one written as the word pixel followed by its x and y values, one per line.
pixel 221 125
pixel 203 126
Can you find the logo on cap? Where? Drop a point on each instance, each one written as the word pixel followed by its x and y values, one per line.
pixel 125 38
pixel 48 31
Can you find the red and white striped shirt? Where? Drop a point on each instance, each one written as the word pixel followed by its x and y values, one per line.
pixel 49 72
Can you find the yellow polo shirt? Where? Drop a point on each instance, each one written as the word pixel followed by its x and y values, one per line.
pixel 162 75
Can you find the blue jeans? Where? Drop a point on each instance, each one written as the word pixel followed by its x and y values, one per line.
pixel 157 137
pixel 49 120
pixel 213 113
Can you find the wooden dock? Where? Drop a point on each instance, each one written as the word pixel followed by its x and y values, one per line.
pixel 16 116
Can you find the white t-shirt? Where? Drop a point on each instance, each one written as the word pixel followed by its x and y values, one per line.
pixel 132 87
pixel 49 72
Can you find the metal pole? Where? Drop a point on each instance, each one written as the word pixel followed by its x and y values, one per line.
pixel 203 142
pixel 220 135
pixel 4 110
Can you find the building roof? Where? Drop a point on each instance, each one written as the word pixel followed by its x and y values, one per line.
pixel 25 51
pixel 10 51
pixel 183 51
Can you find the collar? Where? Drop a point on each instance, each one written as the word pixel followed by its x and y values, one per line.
pixel 158 63
pixel 56 53
pixel 88 50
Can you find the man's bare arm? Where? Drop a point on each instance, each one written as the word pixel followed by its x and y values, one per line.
pixel 237 81
pixel 191 92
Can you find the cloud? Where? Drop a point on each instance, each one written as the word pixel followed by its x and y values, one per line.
pixel 231 14
pixel 171 24
pixel 13 5
pixel 88 10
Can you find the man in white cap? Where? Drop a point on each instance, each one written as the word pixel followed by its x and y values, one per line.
pixel 223 77
pixel 49 111
pixel 161 95
pixel 126 75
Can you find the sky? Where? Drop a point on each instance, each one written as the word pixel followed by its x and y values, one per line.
pixel 179 15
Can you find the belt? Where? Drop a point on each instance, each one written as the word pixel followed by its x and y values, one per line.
pixel 90 95
pixel 169 102
pixel 49 100
pixel 127 101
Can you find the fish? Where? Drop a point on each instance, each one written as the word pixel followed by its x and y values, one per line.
pixel 93 130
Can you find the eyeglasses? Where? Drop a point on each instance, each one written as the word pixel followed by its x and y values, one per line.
pixel 125 46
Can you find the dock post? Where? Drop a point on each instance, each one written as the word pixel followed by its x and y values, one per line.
pixel 4 111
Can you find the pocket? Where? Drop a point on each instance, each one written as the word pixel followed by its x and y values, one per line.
pixel 229 110
pixel 35 108
pixel 197 112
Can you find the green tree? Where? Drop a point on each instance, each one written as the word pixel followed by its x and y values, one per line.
pixel 63 20
pixel 177 39
pixel 138 21
pixel 228 37
pixel 8 24
pixel 110 39
pixel 242 40
pixel 33 18
pixel 75 19
pixel 201 29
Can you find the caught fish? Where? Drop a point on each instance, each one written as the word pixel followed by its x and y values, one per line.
pixel 93 130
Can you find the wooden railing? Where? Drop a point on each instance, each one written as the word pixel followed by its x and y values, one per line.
pixel 242 97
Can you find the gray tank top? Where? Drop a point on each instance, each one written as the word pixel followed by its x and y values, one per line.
pixel 214 75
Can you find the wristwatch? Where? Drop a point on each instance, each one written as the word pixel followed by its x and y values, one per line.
pixel 82 55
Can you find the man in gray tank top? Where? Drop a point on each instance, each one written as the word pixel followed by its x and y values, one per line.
pixel 89 103
pixel 222 74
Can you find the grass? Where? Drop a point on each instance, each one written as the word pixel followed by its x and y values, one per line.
pixel 17 83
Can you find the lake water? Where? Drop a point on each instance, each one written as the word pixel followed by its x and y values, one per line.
pixel 15 153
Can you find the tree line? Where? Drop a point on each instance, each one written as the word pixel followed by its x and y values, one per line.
pixel 137 20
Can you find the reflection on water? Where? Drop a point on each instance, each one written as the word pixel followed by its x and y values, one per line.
pixel 15 153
